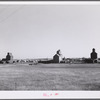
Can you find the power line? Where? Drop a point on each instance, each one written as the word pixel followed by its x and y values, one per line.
pixel 2 10
pixel 15 11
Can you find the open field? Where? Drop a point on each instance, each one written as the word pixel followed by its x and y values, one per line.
pixel 50 77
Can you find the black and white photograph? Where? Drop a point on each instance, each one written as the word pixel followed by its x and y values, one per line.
pixel 50 47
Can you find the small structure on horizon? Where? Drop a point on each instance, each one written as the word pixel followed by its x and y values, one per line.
pixel 9 56
pixel 57 57
pixel 93 55
pixel 8 59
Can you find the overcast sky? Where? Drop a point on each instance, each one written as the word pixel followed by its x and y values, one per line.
pixel 38 31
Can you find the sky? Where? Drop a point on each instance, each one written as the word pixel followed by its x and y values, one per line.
pixel 38 31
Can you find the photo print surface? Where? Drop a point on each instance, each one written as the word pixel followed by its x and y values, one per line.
pixel 49 47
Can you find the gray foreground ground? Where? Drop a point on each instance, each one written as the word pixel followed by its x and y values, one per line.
pixel 50 77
